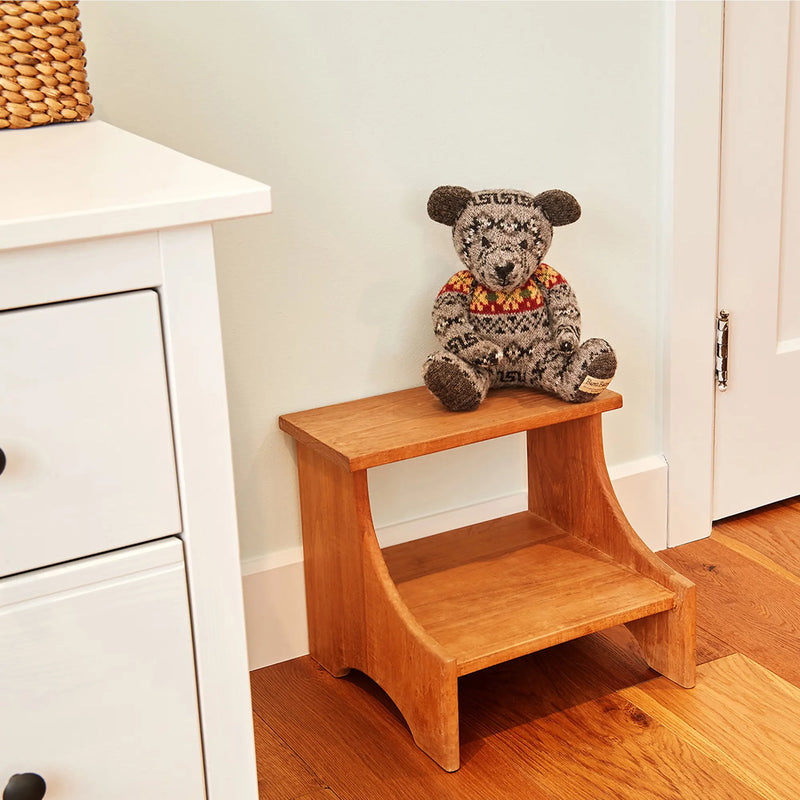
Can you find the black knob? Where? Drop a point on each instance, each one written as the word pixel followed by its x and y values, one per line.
pixel 2 460
pixel 27 786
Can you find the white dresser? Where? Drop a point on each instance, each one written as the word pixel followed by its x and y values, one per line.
pixel 123 669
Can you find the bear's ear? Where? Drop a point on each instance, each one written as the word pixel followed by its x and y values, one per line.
pixel 561 208
pixel 447 202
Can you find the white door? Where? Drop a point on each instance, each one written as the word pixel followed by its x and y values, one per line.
pixel 757 426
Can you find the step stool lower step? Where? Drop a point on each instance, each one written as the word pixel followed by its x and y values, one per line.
pixel 513 585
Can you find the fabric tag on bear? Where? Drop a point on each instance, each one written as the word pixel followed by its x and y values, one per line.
pixel 592 385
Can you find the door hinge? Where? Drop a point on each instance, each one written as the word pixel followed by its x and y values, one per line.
pixel 723 322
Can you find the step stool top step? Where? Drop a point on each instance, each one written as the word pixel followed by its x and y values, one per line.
pixel 400 425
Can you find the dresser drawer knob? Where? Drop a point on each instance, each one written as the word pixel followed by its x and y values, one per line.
pixel 2 460
pixel 27 786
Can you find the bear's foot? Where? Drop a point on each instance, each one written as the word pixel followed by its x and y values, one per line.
pixel 596 365
pixel 579 377
pixel 457 385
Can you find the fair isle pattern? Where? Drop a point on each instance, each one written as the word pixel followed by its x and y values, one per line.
pixel 547 276
pixel 460 283
pixel 527 297
pixel 524 298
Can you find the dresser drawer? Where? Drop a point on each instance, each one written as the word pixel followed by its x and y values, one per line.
pixel 85 429
pixel 97 680
pixel 32 276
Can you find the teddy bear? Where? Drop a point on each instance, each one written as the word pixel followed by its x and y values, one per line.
pixel 509 319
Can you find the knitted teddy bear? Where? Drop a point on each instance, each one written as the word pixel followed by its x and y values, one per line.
pixel 509 319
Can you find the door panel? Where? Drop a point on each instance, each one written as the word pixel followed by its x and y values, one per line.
pixel 789 278
pixel 757 426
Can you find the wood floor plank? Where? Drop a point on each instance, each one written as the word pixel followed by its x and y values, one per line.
pixel 319 794
pixel 710 647
pixel 525 689
pixel 740 714
pixel 609 748
pixel 360 747
pixel 600 748
pixel 754 554
pixel 773 532
pixel 792 503
pixel 744 604
pixel 281 773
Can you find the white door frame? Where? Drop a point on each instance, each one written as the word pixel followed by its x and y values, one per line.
pixel 692 127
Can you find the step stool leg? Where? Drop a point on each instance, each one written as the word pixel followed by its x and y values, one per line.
pixel 435 730
pixel 356 617
pixel 668 639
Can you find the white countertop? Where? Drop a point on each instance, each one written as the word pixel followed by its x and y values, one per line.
pixel 82 180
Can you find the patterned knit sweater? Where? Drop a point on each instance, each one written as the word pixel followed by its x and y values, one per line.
pixel 487 327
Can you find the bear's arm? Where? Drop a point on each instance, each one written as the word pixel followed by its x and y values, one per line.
pixel 457 335
pixel 565 317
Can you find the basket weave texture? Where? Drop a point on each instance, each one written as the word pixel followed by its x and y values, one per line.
pixel 42 64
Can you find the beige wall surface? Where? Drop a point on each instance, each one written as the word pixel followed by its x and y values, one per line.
pixel 353 112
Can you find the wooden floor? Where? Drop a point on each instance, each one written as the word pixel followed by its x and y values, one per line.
pixel 586 719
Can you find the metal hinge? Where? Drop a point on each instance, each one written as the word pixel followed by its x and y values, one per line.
pixel 723 322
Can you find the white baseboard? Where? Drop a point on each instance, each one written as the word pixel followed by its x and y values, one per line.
pixel 274 593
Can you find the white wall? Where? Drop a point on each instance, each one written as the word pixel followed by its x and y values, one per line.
pixel 353 112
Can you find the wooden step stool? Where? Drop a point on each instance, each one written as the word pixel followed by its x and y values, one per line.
pixel 416 616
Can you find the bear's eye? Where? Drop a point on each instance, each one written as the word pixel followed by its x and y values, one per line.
pixel 485 242
pixel 524 244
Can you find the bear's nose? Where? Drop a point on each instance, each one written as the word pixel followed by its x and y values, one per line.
pixel 504 271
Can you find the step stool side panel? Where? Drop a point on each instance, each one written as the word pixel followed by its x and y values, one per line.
pixel 569 485
pixel 356 617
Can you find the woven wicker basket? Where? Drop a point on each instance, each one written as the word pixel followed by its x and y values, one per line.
pixel 42 68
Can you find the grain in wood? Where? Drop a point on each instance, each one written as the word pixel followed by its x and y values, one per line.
pixel 392 427
pixel 281 773
pixel 457 603
pixel 609 748
pixel 774 532
pixel 741 715
pixel 710 647
pixel 569 485
pixel 485 605
pixel 356 616
pixel 744 604
pixel 361 752
pixel 756 555
pixel 319 794
pixel 520 691
pixel 514 715
pixel 652 742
